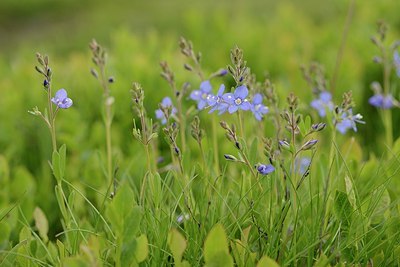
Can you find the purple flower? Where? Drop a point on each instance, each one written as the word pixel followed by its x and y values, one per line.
pixel 258 108
pixel 322 103
pixel 381 101
pixel 348 121
pixel 61 99
pixel 202 94
pixel 265 169
pixel 237 100
pixel 301 164
pixel 165 103
pixel 396 62
pixel 216 102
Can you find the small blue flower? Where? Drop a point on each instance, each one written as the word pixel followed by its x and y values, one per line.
pixel 381 101
pixel 323 103
pixel 61 99
pixel 265 169
pixel 258 108
pixel 202 94
pixel 348 121
pixel 301 165
pixel 165 103
pixel 396 62
pixel 216 102
pixel 237 100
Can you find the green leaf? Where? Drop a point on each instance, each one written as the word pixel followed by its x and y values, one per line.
pixel 350 191
pixel 142 248
pixel 216 250
pixel 62 152
pixel 177 244
pixel 120 208
pixel 381 203
pixel 352 150
pixel 41 223
pixel 5 231
pixel 266 261
pixel 342 208
pixel 55 163
pixel 131 224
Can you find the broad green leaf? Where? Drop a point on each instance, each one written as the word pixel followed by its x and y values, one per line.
pixel 350 191
pixel 322 261
pixel 266 261
pixel 41 223
pixel 177 244
pixel 382 202
pixel 5 231
pixel 342 208
pixel 25 235
pixel 77 261
pixel 142 248
pixel 216 250
pixel 61 249
pixel 131 224
pixel 120 208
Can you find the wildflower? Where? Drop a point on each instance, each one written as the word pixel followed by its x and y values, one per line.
pixel 237 100
pixel 322 103
pixel 165 104
pixel 202 94
pixel 216 102
pixel 258 108
pixel 302 164
pixel 265 169
pixel 348 120
pixel 309 144
pixel 396 62
pixel 183 217
pixel 381 101
pixel 61 99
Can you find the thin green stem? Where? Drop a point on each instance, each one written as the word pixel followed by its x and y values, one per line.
pixel 215 145
pixel 387 113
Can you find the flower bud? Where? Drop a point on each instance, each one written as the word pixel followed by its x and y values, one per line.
pixel 284 144
pixel 309 144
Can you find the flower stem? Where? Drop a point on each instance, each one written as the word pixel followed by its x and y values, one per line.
pixel 215 144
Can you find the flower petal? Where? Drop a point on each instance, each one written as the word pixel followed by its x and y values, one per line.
pixel 205 86
pixel 257 99
pixel 241 92
pixel 61 94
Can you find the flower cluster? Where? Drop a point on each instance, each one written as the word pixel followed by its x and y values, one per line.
pixel 166 110
pixel 396 63
pixel 344 118
pixel 228 102
pixel 379 99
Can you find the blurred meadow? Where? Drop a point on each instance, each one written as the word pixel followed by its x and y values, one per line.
pixel 277 38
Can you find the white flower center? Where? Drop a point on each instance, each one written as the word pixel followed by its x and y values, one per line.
pixel 238 101
pixel 204 96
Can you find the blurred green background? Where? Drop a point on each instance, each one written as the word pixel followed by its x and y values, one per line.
pixel 277 37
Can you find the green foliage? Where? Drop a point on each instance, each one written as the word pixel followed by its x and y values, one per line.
pixel 345 210
pixel 216 250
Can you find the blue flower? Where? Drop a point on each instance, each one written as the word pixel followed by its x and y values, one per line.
pixel 237 100
pixel 258 108
pixel 301 165
pixel 348 121
pixel 165 103
pixel 396 62
pixel 202 94
pixel 216 102
pixel 322 103
pixel 61 99
pixel 381 101
pixel 265 169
